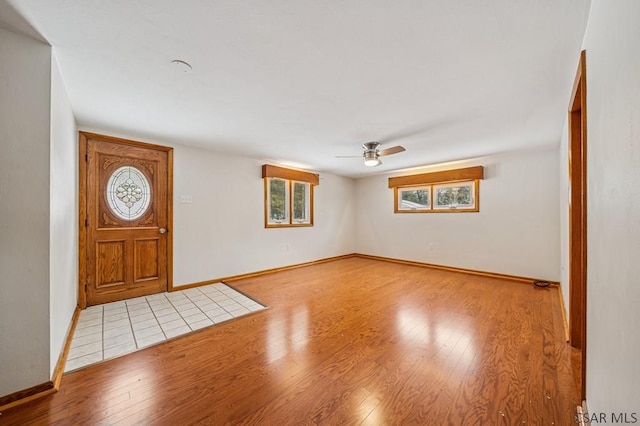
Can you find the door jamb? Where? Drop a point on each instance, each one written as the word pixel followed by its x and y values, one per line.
pixel 82 208
pixel 577 153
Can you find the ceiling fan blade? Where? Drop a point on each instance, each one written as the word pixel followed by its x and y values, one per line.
pixel 392 150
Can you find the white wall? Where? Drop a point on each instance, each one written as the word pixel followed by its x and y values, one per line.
pixel 63 219
pixel 222 233
pixel 25 82
pixel 516 231
pixel 612 43
pixel 565 195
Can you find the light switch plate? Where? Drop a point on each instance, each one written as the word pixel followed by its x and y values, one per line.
pixel 186 199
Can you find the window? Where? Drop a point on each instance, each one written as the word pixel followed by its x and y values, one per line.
pixel 288 197
pixel 414 199
pixel 128 193
pixel 461 195
pixel 278 196
pixel 438 192
pixel 301 202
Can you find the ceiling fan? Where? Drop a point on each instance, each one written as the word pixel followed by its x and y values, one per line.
pixel 372 153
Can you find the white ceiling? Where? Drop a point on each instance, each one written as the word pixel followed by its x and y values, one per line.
pixel 301 81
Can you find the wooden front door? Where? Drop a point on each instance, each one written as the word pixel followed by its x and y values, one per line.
pixel 127 215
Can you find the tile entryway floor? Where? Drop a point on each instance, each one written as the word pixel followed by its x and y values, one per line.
pixel 118 328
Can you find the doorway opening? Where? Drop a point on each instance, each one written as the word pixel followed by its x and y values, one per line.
pixel 577 124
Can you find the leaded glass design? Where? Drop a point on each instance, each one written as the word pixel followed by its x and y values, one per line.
pixel 128 193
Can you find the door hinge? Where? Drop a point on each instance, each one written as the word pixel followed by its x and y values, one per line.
pixel 86 222
pixel 86 158
pixel 86 288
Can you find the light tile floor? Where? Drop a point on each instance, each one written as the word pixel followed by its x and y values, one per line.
pixel 118 328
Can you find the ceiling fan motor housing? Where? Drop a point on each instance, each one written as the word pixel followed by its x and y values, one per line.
pixel 370 154
pixel 370 150
pixel 371 146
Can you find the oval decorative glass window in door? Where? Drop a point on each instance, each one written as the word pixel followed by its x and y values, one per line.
pixel 128 193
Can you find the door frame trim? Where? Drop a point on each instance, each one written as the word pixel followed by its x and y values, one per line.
pixel 577 167
pixel 82 207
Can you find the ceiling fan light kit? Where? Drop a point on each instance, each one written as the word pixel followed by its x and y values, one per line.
pixel 371 159
pixel 372 153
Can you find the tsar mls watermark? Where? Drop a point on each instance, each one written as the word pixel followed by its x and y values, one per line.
pixel 607 418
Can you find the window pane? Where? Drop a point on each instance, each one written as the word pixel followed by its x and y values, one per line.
pixel 278 201
pixel 301 204
pixel 414 198
pixel 463 197
pixel 452 196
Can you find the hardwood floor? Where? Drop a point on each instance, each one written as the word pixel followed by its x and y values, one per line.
pixel 355 341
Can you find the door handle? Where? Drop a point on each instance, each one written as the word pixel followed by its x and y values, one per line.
pixel 162 230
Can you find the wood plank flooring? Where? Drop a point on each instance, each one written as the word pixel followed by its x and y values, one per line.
pixel 350 342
